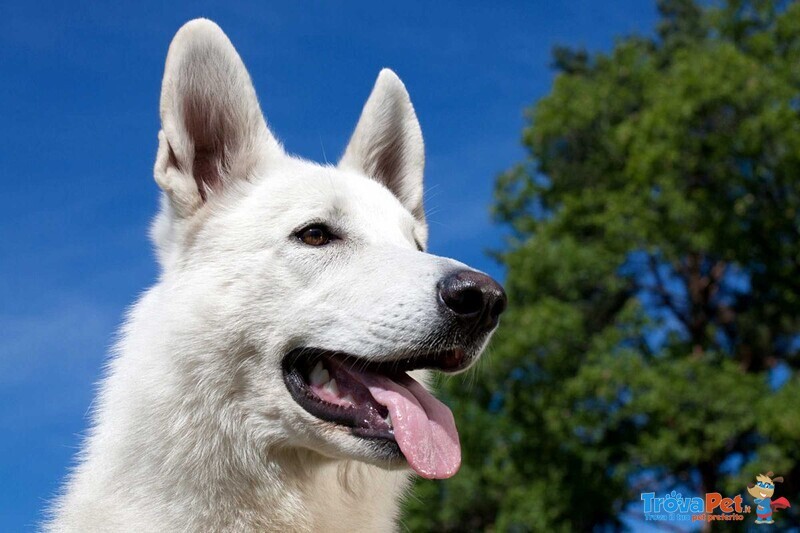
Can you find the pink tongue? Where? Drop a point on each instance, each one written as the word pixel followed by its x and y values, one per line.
pixel 423 426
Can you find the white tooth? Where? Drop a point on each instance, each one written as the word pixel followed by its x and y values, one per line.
pixel 332 387
pixel 319 375
pixel 388 420
pixel 324 376
pixel 349 399
pixel 313 376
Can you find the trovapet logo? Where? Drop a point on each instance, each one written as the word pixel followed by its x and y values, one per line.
pixel 762 491
pixel 674 507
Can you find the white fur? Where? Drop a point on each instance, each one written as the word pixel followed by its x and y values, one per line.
pixel 193 428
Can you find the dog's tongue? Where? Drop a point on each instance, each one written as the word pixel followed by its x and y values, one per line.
pixel 423 426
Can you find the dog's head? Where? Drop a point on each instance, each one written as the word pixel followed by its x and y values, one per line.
pixel 314 278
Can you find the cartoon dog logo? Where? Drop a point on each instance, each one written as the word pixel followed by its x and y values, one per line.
pixel 762 492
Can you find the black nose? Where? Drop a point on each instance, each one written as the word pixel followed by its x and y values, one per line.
pixel 476 299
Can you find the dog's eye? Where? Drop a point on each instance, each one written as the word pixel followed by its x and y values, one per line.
pixel 316 235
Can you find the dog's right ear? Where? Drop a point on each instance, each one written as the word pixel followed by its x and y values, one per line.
pixel 212 129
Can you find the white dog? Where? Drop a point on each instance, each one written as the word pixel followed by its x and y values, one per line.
pixel 261 384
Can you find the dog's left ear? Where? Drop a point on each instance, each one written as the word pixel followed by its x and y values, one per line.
pixel 387 143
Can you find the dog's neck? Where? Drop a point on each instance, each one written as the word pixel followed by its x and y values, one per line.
pixel 163 460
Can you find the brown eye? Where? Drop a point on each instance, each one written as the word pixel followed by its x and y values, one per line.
pixel 315 235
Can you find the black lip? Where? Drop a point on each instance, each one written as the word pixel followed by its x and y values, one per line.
pixel 447 360
pixel 365 420
pixel 297 365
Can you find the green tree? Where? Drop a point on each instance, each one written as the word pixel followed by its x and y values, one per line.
pixel 651 341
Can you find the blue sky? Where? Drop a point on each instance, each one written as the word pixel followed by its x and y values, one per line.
pixel 79 100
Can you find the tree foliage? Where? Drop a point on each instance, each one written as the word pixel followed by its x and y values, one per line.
pixel 652 336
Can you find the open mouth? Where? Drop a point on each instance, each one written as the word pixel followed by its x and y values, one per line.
pixel 382 403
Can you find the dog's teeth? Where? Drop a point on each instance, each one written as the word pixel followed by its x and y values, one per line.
pixel 319 375
pixel 388 420
pixel 332 387
pixel 349 399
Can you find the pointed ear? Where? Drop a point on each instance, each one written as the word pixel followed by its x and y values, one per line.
pixel 212 130
pixel 387 143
